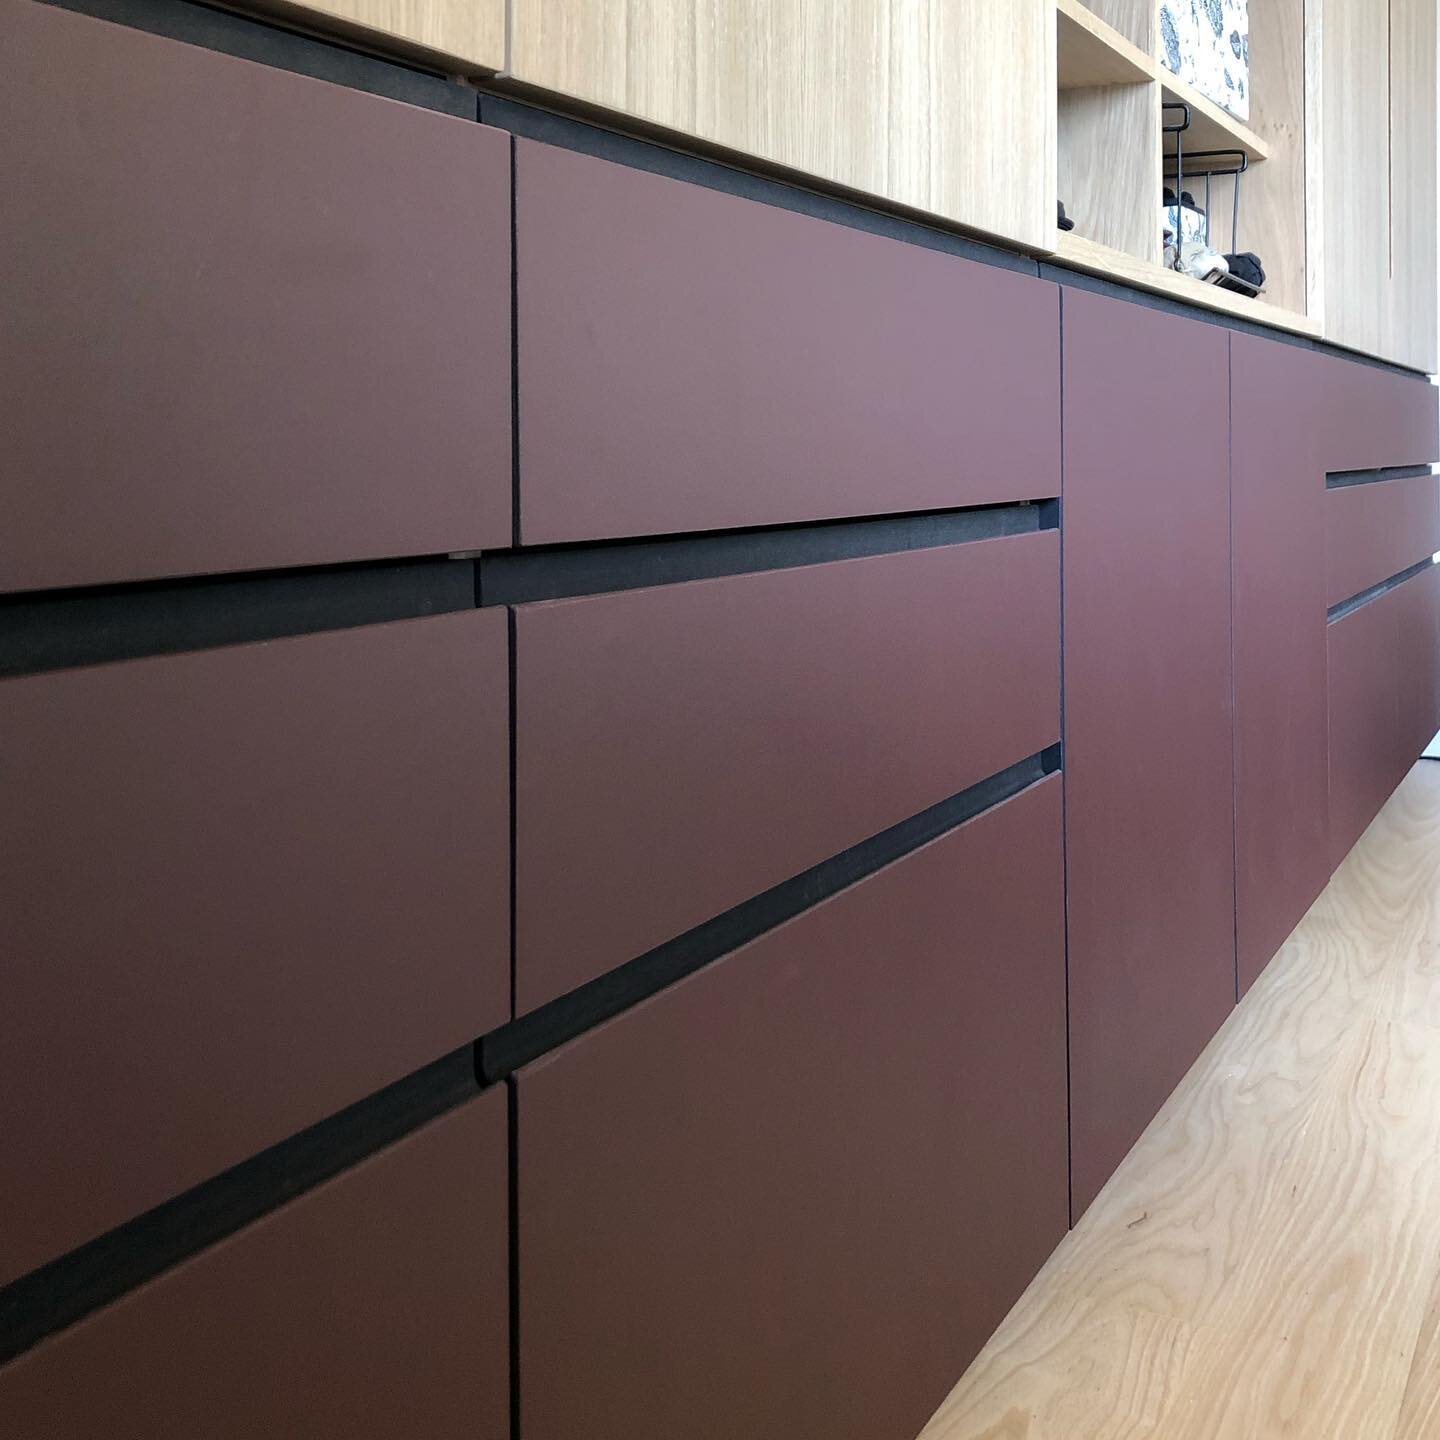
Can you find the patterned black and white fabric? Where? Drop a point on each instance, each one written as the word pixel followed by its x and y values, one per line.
pixel 1207 43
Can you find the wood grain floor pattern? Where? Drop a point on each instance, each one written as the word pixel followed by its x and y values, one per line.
pixel 1266 1262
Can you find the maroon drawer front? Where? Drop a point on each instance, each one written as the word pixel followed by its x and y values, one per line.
pixel 1148 758
pixel 1418 601
pixel 1374 531
pixel 793 1195
pixel 252 319
pixel 249 886
pixel 690 360
pixel 1365 735
pixel 682 749
pixel 373 1307
pixel 1278 496
pixel 1368 418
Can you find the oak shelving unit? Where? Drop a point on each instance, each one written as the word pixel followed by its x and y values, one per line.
pixel 1110 87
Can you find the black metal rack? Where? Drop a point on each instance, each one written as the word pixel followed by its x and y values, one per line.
pixel 1232 163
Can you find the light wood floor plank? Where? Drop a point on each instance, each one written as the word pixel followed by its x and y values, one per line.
pixel 1266 1262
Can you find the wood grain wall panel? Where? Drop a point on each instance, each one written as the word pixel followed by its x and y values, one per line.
pixel 1109 165
pixel 1355 151
pixel 1275 217
pixel 1419 655
pixel 691 360
pixel 1278 496
pixel 227 349
pixel 249 886
pixel 792 1195
pixel 681 749
pixel 1367 418
pixel 1377 149
pixel 1409 321
pixel 921 103
pixel 372 1307
pixel 1148 765
pixel 1365 734
pixel 469 34
pixel 1375 531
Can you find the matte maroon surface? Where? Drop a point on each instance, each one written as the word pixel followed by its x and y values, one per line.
pixel 793 1195
pixel 1375 531
pixel 1366 418
pixel 1365 735
pixel 691 360
pixel 1148 779
pixel 1278 497
pixel 252 319
pixel 246 887
pixel 1418 616
pixel 684 748
pixel 373 1307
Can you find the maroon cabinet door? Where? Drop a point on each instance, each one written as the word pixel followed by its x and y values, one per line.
pixel 1278 499
pixel 251 319
pixel 789 1198
pixel 245 888
pixel 1419 654
pixel 683 748
pixel 1150 864
pixel 1365 730
pixel 1376 530
pixel 372 1307
pixel 689 360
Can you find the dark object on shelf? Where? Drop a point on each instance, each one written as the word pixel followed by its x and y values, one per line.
pixel 1246 267
pixel 1186 199
pixel 1064 222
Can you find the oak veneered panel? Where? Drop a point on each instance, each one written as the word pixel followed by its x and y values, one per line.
pixel 1148 766
pixel 792 1195
pixel 252 319
pixel 1375 531
pixel 372 1307
pixel 927 105
pixel 1278 496
pixel 683 748
pixel 471 32
pixel 245 887
pixel 690 360
pixel 1376 153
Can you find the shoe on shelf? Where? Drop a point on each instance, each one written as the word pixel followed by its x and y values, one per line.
pixel 1246 266
pixel 1199 260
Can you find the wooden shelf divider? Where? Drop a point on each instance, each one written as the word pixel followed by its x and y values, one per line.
pixel 1090 52
pixel 1211 127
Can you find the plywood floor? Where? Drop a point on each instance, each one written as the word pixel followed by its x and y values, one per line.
pixel 1266 1262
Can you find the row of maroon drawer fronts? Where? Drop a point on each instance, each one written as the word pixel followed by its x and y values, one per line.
pixel 231 351
pixel 372 1307
pixel 1278 499
pixel 681 749
pixel 1376 530
pixel 228 347
pixel 688 360
pixel 1148 770
pixel 1384 700
pixel 247 887
pixel 1365 418
pixel 793 1195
